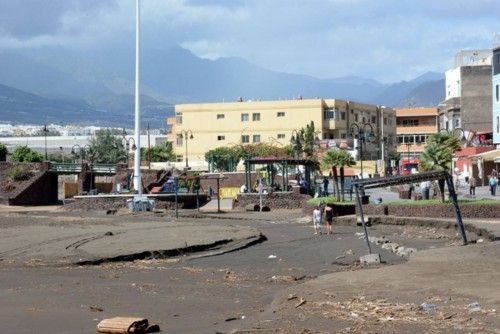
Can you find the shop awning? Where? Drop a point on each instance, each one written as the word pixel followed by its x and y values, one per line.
pixel 488 156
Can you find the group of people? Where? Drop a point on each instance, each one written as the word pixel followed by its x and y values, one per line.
pixel 318 213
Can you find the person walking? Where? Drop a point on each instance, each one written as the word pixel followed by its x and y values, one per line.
pixel 317 220
pixel 472 186
pixel 329 219
pixel 493 185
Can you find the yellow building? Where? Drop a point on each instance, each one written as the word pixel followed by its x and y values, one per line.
pixel 212 125
pixel 414 126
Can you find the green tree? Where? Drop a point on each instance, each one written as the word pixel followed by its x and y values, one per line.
pixel 338 158
pixel 305 140
pixel 332 159
pixel 438 154
pixel 159 153
pixel 310 139
pixel 25 154
pixel 224 159
pixel 346 160
pixel 105 147
pixel 3 152
pixel 46 131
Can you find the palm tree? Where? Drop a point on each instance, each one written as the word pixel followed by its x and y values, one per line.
pixel 332 159
pixel 438 154
pixel 346 160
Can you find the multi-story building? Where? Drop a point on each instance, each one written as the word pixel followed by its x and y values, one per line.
pixel 198 128
pixel 496 96
pixel 414 126
pixel 468 93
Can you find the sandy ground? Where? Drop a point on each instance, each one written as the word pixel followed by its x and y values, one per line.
pixel 294 282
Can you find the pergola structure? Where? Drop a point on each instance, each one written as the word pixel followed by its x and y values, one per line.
pixel 285 163
pixel 361 184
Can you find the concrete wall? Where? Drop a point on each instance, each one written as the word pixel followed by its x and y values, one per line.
pixel 42 191
pixel 476 99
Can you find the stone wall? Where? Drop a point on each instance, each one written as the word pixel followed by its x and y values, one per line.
pixel 434 211
pixel 185 201
pixel 277 200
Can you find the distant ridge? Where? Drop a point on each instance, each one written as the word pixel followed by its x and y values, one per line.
pixel 100 83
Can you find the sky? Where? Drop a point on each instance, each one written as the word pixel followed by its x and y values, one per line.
pixel 386 40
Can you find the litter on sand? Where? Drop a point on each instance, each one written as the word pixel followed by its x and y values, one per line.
pixel 125 325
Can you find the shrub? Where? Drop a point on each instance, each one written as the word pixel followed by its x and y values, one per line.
pixel 25 154
pixel 19 173
pixel 3 152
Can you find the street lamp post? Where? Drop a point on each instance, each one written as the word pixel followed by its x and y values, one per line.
pixel 126 145
pixel 365 133
pixel 187 134
pixel 45 130
pixel 137 155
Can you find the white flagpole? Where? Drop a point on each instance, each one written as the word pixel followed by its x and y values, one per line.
pixel 137 155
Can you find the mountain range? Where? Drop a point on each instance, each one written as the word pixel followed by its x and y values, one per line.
pixel 54 84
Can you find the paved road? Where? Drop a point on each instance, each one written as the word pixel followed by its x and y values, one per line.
pixel 190 295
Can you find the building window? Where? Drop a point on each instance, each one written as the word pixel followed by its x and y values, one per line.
pixel 256 138
pixel 498 124
pixel 245 139
pixel 219 138
pixel 256 116
pixel 328 113
pixel 356 117
pixel 389 121
pixel 385 120
pixel 410 122
pixel 456 122
pixel 496 92
pixel 220 116
pixel 343 136
pixel 364 119
pixel 179 158
pixel 374 119
pixel 342 115
pixel 244 117
pixel 179 140
pixel 178 118
pixel 280 114
pixel 281 136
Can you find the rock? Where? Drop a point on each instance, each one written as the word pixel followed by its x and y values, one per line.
pixel 369 259
pixel 391 246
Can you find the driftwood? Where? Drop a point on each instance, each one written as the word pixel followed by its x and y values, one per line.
pixel 126 325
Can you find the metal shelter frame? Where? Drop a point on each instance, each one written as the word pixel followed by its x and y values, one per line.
pixel 310 167
pixel 361 184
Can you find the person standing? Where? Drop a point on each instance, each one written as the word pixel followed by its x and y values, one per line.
pixel 329 219
pixel 493 185
pixel 317 220
pixel 472 186
pixel 325 186
pixel 425 187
